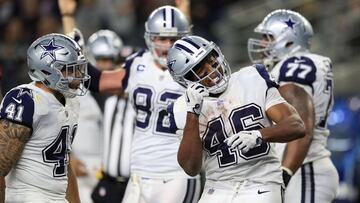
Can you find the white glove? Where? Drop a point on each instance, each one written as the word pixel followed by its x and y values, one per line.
pixel 244 140
pixel 194 96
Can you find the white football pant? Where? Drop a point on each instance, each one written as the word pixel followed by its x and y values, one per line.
pixel 245 192
pixel 314 182
pixel 142 189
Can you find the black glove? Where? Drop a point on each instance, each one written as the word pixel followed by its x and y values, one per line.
pixel 286 177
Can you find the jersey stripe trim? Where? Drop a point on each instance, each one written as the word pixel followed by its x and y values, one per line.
pixel 190 191
pixel 122 136
pixel 312 183
pixel 128 64
pixel 303 184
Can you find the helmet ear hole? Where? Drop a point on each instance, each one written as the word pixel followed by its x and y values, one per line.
pixel 289 44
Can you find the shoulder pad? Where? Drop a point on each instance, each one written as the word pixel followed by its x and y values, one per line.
pixel 270 81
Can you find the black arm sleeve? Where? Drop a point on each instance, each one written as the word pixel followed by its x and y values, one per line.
pixel 95 78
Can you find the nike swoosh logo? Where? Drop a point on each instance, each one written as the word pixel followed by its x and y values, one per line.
pixel 17 100
pixel 166 181
pixel 187 98
pixel 261 192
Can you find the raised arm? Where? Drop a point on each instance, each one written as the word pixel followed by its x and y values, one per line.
pixel 184 6
pixel 67 10
pixel 190 149
pixel 296 151
pixel 13 138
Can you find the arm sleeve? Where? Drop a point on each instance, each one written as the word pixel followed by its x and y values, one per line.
pixel 95 78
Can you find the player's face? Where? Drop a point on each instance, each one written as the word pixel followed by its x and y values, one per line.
pixel 163 44
pixel 74 74
pixel 266 39
pixel 209 71
pixel 105 63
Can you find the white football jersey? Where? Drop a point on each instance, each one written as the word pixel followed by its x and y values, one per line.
pixel 155 144
pixel 313 73
pixel 241 107
pixel 42 167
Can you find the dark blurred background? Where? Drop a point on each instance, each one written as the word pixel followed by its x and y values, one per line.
pixel 229 23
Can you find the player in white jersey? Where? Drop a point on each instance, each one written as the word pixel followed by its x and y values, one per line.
pixel 227 124
pixel 155 174
pixel 39 122
pixel 306 82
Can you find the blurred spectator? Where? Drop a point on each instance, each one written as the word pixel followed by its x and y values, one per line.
pixel 13 49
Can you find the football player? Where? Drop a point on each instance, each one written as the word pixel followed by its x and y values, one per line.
pixel 227 122
pixel 38 122
pixel 156 175
pixel 306 81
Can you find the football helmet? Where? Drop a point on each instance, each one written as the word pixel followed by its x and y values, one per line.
pixel 57 60
pixel 166 21
pixel 189 52
pixel 284 32
pixel 104 44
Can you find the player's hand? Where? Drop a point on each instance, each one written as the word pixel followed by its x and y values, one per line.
pixel 78 167
pixel 286 174
pixel 194 96
pixel 244 140
pixel 183 5
pixel 67 7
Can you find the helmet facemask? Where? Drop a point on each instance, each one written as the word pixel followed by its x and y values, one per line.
pixel 215 81
pixel 73 78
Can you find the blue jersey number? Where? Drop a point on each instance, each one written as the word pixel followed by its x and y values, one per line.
pixel 244 118
pixel 57 151
pixel 144 104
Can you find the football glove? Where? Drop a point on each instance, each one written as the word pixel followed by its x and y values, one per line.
pixel 286 174
pixel 194 96
pixel 244 140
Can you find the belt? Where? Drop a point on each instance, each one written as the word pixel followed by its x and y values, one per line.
pixel 120 179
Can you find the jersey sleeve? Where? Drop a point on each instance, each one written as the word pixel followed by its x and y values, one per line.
pixel 300 70
pixel 18 107
pixel 177 113
pixel 95 78
pixel 270 81
pixel 273 97
pixel 128 62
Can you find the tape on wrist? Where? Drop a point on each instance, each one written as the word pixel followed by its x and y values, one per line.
pixel 289 171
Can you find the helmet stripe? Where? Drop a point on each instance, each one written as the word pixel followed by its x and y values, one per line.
pixel 172 18
pixel 180 46
pixel 168 17
pixel 191 42
pixel 164 17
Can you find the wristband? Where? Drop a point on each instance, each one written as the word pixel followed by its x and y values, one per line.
pixel 289 171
